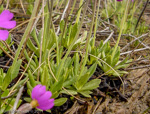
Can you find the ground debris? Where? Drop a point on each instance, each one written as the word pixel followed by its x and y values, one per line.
pixel 137 103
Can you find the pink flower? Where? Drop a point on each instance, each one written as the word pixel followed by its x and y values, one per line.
pixel 41 98
pixel 121 0
pixel 5 22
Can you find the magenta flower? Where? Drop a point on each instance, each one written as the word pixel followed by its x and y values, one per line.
pixel 5 22
pixel 41 98
pixel 121 0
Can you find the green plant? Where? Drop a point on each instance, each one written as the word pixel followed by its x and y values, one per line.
pixel 6 103
pixel 107 61
pixel 114 12
pixel 70 34
pixel 8 42
pixel 69 76
pixel 59 72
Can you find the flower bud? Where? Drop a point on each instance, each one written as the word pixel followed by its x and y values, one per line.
pixel 24 108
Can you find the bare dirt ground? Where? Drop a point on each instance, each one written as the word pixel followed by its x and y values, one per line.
pixel 137 93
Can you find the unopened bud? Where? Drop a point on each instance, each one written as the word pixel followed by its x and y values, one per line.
pixel 24 108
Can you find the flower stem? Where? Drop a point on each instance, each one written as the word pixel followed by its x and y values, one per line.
pixel 95 28
pixel 121 29
pixel 88 41
pixel 27 31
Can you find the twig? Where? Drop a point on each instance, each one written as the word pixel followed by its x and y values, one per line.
pixel 3 98
pixel 9 55
pixel 4 43
pixel 17 100
pixel 120 94
pixel 135 40
pixel 22 7
pixel 139 67
pixel 7 4
pixel 141 14
pixel 97 105
pixel 141 49
pixel 38 17
pixel 1 2
pixel 108 37
pixel 63 15
pixel 6 53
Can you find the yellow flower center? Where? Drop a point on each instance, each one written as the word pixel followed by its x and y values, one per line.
pixel 34 103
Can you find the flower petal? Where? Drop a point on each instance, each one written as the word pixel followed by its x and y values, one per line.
pixel 38 91
pixel 47 102
pixel 45 97
pixel 47 105
pixel 35 90
pixel 4 34
pixel 40 94
pixel 6 15
pixel 7 24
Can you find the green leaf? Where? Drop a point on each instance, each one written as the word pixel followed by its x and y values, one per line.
pixel 1 81
pixel 86 93
pixel 55 94
pixel 28 59
pixel 11 74
pixel 76 64
pixel 20 83
pixel 93 84
pixel 31 79
pixel 124 63
pixel 29 92
pixel 11 103
pixel 33 34
pixel 39 36
pixel 46 35
pixel 69 82
pixel 2 76
pixel 68 62
pixel 27 99
pixel 57 86
pixel 29 86
pixel 109 60
pixel 45 76
pixel 60 101
pixel 116 57
pixel 73 32
pixel 32 47
pixel 79 84
pixel 62 24
pixel 122 72
pixel 92 69
pixel 68 92
pixel 30 9
pixel 5 93
pixel 52 39
pixel 84 78
pixel 1 8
